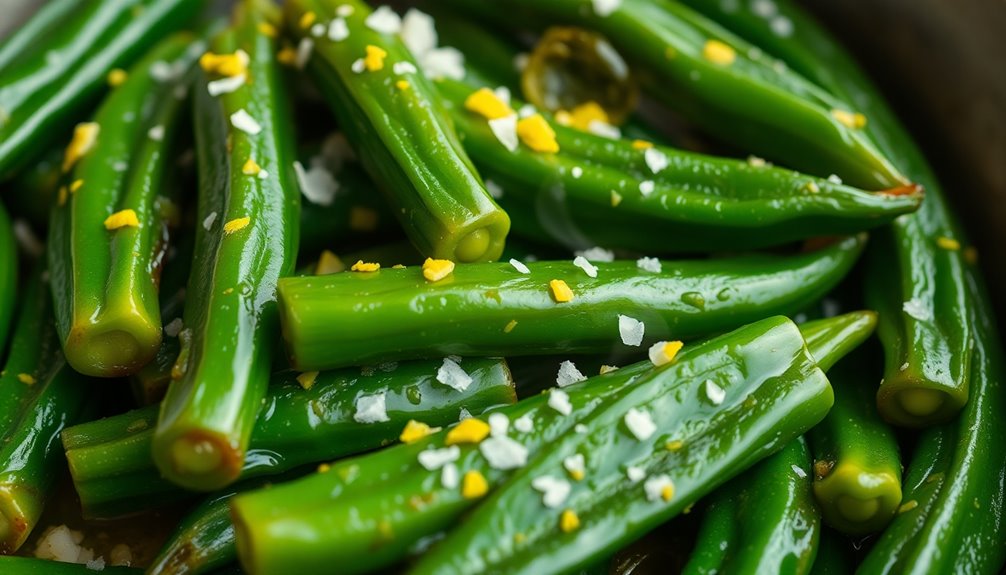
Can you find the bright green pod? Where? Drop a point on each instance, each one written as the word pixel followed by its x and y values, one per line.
pixel 110 228
pixel 110 459
pixel 925 326
pixel 53 77
pixel 494 309
pixel 370 511
pixel 24 40
pixel 763 521
pixel 246 239
pixel 857 465
pixel 8 277
pixel 10 565
pixel 402 135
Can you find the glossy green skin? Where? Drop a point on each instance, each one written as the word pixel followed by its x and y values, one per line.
pixel 354 318
pixel 859 487
pixel 113 473
pixel 207 416
pixel 763 521
pixel 405 140
pixel 31 566
pixel 40 100
pixel 105 282
pixel 33 417
pixel 203 541
pixel 8 276
pixel 774 391
pixel 370 511
pixel 23 40
pixel 700 203
pixel 751 103
pixel 937 348
pixel 956 478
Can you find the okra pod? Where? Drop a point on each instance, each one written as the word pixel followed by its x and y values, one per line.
pixel 110 459
pixel 110 228
pixel 247 239
pixel 367 512
pixel 857 467
pixel 402 133
pixel 49 80
pixel 494 309
pixel 10 565
pixel 763 521
pixel 8 276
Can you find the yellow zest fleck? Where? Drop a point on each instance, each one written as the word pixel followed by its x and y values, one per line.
pixel 398 267
pixel 616 198
pixel 362 266
pixel 948 243
pixel 228 291
pixel 674 445
pixel 908 506
pixel 971 255
pixel 560 291
pixel 471 430
pixel 287 56
pixel 362 219
pixel 536 134
pixel 564 118
pixel 236 224
pixel 329 263
pixel 849 119
pixel 509 327
pixel 62 195
pixel 667 492
pixel 306 379
pixel 568 521
pixel 588 112
pixel 324 468
pixel 414 431
pixel 267 29
pixel 224 64
pixel 251 168
pixel 402 84
pixel 473 485
pixel 436 270
pixel 641 145
pixel 374 60
pixel 666 352
pixel 487 104
pixel 122 219
pixel 718 53
pixel 116 77
pixel 76 185
pixel 577 475
pixel 26 379
pixel 307 19
pixel 84 137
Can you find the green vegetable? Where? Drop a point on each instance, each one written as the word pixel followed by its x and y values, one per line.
pixel 8 276
pixel 56 66
pixel 246 239
pixel 105 268
pixel 364 317
pixel 368 512
pixel 39 396
pixel 403 137
pixel 763 521
pixel 31 566
pixel 110 460
pixel 857 467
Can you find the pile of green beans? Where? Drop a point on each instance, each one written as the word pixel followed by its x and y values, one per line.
pixel 317 312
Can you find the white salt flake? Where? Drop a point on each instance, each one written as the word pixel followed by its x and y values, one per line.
pixel 640 423
pixel 453 375
pixel 519 266
pixel 575 464
pixel 432 459
pixel 464 414
pixel 781 26
pixel 917 309
pixel 527 110
pixel 503 453
pixel 559 401
pixel 577 172
pixel 225 85
pixel 503 94
pixel 656 160
pixel 384 20
pixel 164 72
pixel 585 265
pixel 580 428
pixel 904 366
pixel 649 264
pixel 156 133
pixel 243 121
pixel 605 8
pixel 835 179
pixel 358 66
pixel 345 10
pixel 371 409
pixel 263 174
pixel 120 166
pixel 654 487
pixel 635 474
pixel 318 30
pixel 604 129
pixel 304 49
pixel 419 32
pixel 596 254
pixel 715 393
pixel 338 30
pixel 443 63
pixel 27 239
pixel 400 68
pixel 174 327
pixel 524 423
pixel 208 221
pixel 554 490
pixel 568 374
pixel 498 424
pixel 449 476
pixel 505 130
pixel 799 471
pixel 646 187
pixel 494 189
pixel 317 184
pixel 631 330
pixel 96 564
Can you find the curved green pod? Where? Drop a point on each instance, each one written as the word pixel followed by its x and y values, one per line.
pixel 369 511
pixel 594 192
pixel 8 277
pixel 11 565
pixel 247 240
pixel 403 136
pixel 857 465
pixel 494 309
pixel 925 325
pixel 51 79
pixel 203 541
pixel 110 460
pixel 763 521
pixel 105 271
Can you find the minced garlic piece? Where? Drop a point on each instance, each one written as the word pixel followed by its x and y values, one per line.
pixel 582 115
pixel 267 29
pixel 474 485
pixel 718 53
pixel 306 379
pixel 308 19
pixel 948 243
pixel 225 64
pixel 26 378
pixel 471 430
pixel 84 137
pixel 568 521
pixel 849 119
pixel 122 219
pixel 487 104
pixel 641 145
pixel 536 134
pixel 236 224
pixel 328 263
pixel 362 266
pixel 560 291
pixel 362 219
pixel 251 168
pixel 663 352
pixel 374 60
pixel 414 431
pixel 436 270
pixel 116 77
